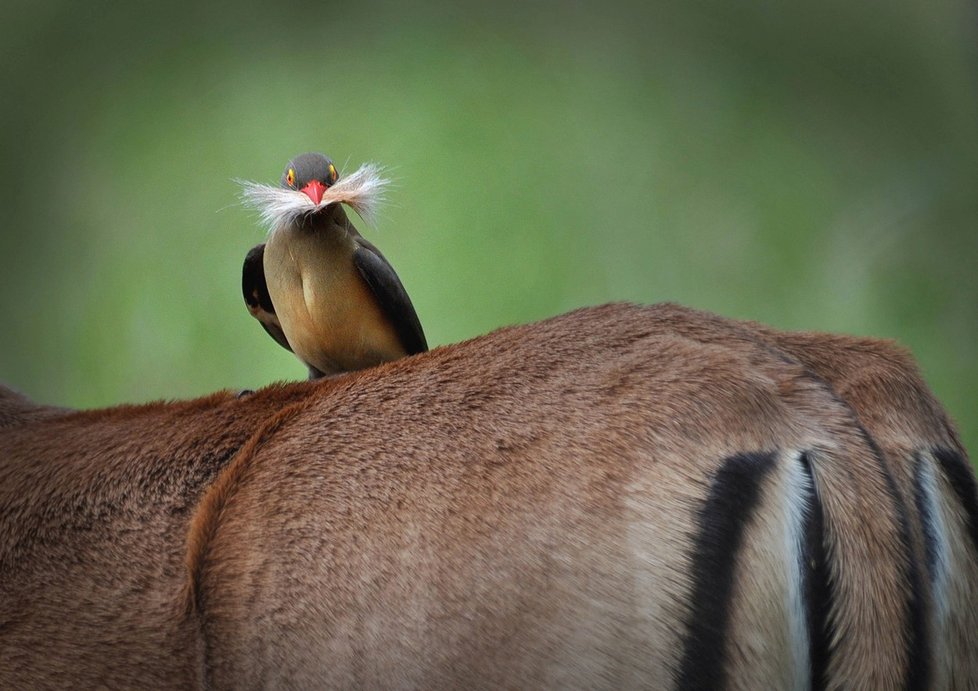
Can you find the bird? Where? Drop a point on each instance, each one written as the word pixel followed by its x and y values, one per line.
pixel 317 286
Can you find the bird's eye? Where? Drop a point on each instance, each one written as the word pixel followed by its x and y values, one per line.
pixel 290 177
pixel 332 174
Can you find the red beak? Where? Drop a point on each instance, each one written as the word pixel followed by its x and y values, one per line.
pixel 314 190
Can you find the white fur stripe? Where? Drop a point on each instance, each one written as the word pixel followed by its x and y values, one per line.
pixel 935 531
pixel 796 496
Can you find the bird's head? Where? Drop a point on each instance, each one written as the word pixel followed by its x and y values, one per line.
pixel 311 184
pixel 312 174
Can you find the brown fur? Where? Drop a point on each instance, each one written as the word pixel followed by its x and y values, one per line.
pixel 515 511
pixel 95 508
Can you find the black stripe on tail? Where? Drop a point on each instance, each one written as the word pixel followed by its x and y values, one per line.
pixel 729 506
pixel 955 469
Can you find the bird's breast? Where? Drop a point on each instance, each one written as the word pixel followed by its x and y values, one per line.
pixel 329 315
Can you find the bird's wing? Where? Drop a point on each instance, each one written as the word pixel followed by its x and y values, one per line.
pixel 256 295
pixel 390 294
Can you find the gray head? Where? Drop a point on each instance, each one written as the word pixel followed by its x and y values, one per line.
pixel 311 173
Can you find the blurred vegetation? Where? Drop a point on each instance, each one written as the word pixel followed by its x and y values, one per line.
pixel 809 165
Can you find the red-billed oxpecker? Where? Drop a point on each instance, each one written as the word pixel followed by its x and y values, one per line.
pixel 316 285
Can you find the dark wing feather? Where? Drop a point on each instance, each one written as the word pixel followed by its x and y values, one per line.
pixel 256 295
pixel 391 296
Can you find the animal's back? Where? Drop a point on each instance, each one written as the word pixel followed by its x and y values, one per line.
pixel 615 498
pixel 618 497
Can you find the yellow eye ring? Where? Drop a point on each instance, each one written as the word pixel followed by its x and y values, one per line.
pixel 290 177
pixel 332 173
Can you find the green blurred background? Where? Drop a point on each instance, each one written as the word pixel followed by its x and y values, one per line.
pixel 809 165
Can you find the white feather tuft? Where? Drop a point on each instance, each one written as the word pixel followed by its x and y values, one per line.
pixel 363 190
